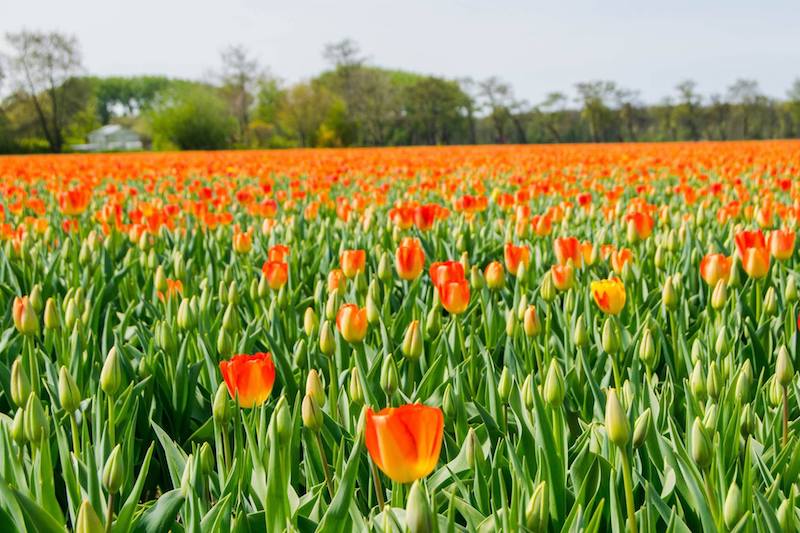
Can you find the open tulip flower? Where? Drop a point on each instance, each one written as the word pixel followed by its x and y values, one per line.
pixel 453 338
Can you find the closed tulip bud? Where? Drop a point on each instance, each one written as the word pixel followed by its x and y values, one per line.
pixel 647 349
pixel 207 461
pixel 300 354
pixel 477 281
pixel 17 429
pixel 464 260
pixel 554 385
pixel 547 289
pixel 331 305
pixel 775 393
pixel 790 293
pixel 51 320
pixel 745 382
pixel 701 445
pixel 373 313
pixel 784 370
pixel 186 318
pixel 160 279
pixel 433 323
pixel 617 426
pixel 312 414
pixel 186 477
pixel 632 234
pixel 660 259
pixel 87 520
pixel 641 428
pixel 537 515
pixel 233 293
pixel 770 302
pixel 111 376
pixel 283 420
pixel 220 409
pixel 511 322
pixel 710 418
pixel 580 335
pixel 786 516
pixel 68 394
pixel 721 344
pixel 36 424
pixel 698 382
pixel 720 295
pixel 747 420
pixel 24 316
pixel 36 298
pixel 734 278
pixel 253 290
pixel 448 403
pixel 527 392
pixel 713 381
pixel 530 322
pixel 262 290
pixel 230 319
pixel 113 473
pixel 419 518
pixel 389 379
pixel 354 388
pixel 70 314
pixel 610 337
pixel 669 297
pixel 473 449
pixel 504 385
pixel 374 290
pixel 385 267
pixel 360 282
pixel 310 322
pixel 314 387
pixel 20 384
pixel 733 510
pixel 327 343
pixel 224 344
pixel 412 341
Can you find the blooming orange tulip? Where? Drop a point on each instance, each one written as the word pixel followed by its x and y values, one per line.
pixel 516 255
pixel 541 224
pixel 567 248
pixel 563 276
pixel 443 271
pixel 749 239
pixel 753 250
pixel 781 244
pixel 242 241
pixel 353 262
pixel 277 274
pixel 278 252
pixel 619 258
pixel 715 267
pixel 642 224
pixel 609 295
pixel 250 377
pixel 454 296
pixel 404 442
pixel 409 259
pixel 352 323
pixel 495 275
pixel 586 249
pixel 74 202
pixel 336 281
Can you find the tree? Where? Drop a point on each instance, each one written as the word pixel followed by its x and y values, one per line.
pixel 793 106
pixel 746 94
pixel 594 97
pixel 552 113
pixel 312 113
pixel 687 110
pixel 41 65
pixel 192 117
pixel 627 102
pixel 239 80
pixel 128 96
pixel 435 111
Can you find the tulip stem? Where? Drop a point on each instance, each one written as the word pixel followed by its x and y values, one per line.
pixel 325 469
pixel 111 420
pixel 76 443
pixel 712 501
pixel 377 482
pixel 334 388
pixel 109 512
pixel 226 449
pixel 627 478
pixel 785 416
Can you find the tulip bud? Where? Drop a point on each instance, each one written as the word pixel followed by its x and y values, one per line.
pixel 186 477
pixel 775 393
pixel 477 282
pixel 530 322
pixel 641 428
pixel 504 385
pixel 360 282
pixel 720 295
pixel 283 420
pixel 331 305
pixel 537 515
pixel 373 313
pixel 784 371
pixel 433 323
pixel 312 414
pixel 389 379
pixel 87 520
pixel 160 279
pixel 51 320
pixel 770 302
pixel 547 289
pixel 522 274
pixel 17 429
pixel 112 379
pixel 419 518
pixel 786 516
pixel 721 345
pixel 617 425
pixel 473 448
pixel 698 382
pixel 734 279
pixel 327 343
pixel 647 349
pixel 24 316
pixel 186 318
pixel 527 391
pixel 220 408
pixel 733 510
pixel 356 393
pixel 37 426
pixel 660 258
pixel 224 343
pixel 310 321
pixel 68 394
pixel 207 460
pixel 701 445
pixel 744 382
pixel 747 420
pixel 713 381
pixel 669 297
pixel 448 405
pixel 20 384
pixel 554 385
pixel 710 418
pixel 412 341
pixel 385 268
pixel 314 387
pixel 113 473
pixel 610 337
pixel 790 293
pixel 511 322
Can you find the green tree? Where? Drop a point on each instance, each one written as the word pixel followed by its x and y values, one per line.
pixel 435 111
pixel 193 117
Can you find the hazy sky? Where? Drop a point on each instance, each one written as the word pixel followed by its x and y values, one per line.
pixel 537 46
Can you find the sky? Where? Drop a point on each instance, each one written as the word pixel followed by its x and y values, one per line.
pixel 538 47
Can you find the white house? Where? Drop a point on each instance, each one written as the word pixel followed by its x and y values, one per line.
pixel 111 137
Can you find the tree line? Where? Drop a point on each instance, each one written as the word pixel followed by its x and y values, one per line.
pixel 49 103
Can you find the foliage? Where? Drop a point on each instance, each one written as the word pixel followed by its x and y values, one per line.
pixel 191 118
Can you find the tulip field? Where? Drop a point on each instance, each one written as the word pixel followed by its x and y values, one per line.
pixel 468 339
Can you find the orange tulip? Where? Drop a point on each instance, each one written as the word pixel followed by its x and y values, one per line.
pixel 443 271
pixel 715 267
pixel 250 377
pixel 277 274
pixel 609 295
pixel 619 258
pixel 586 249
pixel 749 239
pixel 541 224
pixel 755 262
pixel 278 252
pixel 495 275
pixel 24 316
pixel 516 255
pixel 642 224
pixel 242 241
pixel 353 262
pixel 567 248
pixel 563 276
pixel 781 244
pixel 404 442
pixel 409 259
pixel 425 216
pixel 352 323
pixel 336 281
pixel 454 296
pixel 73 202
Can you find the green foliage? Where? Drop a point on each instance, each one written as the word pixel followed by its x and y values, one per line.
pixel 191 118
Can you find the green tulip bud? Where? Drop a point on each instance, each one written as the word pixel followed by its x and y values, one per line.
pixel 786 516
pixel 476 280
pixel 360 282
pixel 504 385
pixel 310 322
pixel 784 370
pixel 17 430
pixel 332 305
pixel 37 426
pixel 87 520
pixel 160 279
pixel 314 387
pixel 356 393
pixel 111 377
pixel 473 448
pixel 710 418
pixel 433 323
pixel 790 293
pixel 207 461
pixel 283 420
pixel 547 289
pixel 373 312
pixel 721 345
pixel 733 509
pixel 669 297
pixel 641 428
pixel 186 477
pixel 186 319
pixel 647 349
pixel 537 515
pixel 464 261
pixel 745 382
pixel 230 320
pixel 720 295
pixel 554 385
pixel 775 393
pixel 698 382
pixel 770 302
pixel 511 323
pixel 233 293
pixel 448 403
pixel 389 379
pixel 220 408
pixel 734 278
pixel 327 343
pixel 20 384
pixel 68 394
pixel 419 518
pixel 113 473
pixel 51 320
pixel 412 341
pixel 385 268
pixel 224 343
pixel 610 337
pixel 701 445
pixel 312 414
pixel 713 381
pixel 527 391
pixel 747 420
pixel 617 425
pixel 660 259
